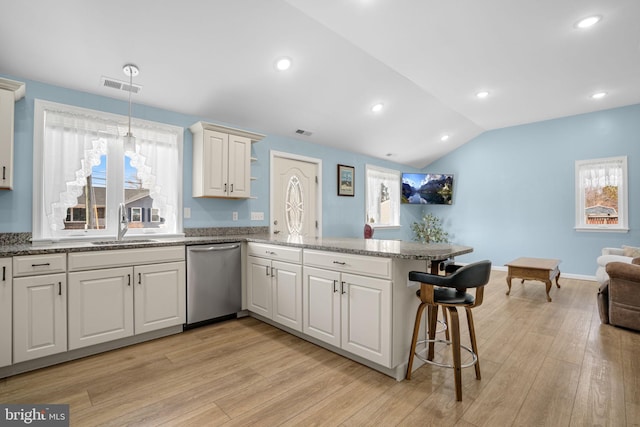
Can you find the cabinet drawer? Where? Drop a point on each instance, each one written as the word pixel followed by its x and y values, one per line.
pixel 123 257
pixel 30 265
pixel 359 264
pixel 280 253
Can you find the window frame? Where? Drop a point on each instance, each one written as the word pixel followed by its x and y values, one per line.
pixel 394 196
pixel 623 197
pixel 39 232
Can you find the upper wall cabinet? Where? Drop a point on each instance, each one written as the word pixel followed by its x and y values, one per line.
pixel 222 161
pixel 10 92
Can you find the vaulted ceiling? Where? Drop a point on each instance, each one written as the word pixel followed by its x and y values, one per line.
pixel 424 60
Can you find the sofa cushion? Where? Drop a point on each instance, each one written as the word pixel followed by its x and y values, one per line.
pixel 630 251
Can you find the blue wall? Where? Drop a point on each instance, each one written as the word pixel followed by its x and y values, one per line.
pixel 515 188
pixel 342 216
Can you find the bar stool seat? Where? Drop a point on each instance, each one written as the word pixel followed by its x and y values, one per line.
pixel 449 292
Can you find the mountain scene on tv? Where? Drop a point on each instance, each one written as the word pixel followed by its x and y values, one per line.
pixel 427 189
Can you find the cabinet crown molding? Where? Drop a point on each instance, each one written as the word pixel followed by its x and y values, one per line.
pixel 18 88
pixel 201 126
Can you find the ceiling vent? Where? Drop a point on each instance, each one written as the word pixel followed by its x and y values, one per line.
pixel 119 85
pixel 304 132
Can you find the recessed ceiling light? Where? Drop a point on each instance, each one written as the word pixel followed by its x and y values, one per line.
pixel 377 107
pixel 482 94
pixel 283 64
pixel 588 21
pixel 444 137
pixel 599 95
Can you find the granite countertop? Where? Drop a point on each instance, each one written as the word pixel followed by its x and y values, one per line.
pixel 371 247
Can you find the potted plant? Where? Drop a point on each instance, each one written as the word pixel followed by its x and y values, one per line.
pixel 429 230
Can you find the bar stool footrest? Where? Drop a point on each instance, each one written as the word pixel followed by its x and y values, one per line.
pixel 443 365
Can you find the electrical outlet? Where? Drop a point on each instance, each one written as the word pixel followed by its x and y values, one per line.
pixel 257 216
pixel 187 212
pixel 235 216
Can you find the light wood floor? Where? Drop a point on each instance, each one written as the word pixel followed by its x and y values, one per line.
pixel 542 364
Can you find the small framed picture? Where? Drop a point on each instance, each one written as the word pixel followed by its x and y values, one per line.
pixel 345 180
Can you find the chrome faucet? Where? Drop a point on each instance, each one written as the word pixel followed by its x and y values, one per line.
pixel 123 221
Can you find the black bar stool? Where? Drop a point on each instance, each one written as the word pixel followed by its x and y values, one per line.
pixel 450 292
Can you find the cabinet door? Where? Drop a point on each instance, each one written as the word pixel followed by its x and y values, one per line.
pixel 287 294
pixel 215 163
pixel 5 311
pixel 39 316
pixel 259 286
pixel 239 166
pixel 7 105
pixel 366 318
pixel 100 306
pixel 321 304
pixel 159 296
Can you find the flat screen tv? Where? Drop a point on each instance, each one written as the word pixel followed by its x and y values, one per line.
pixel 427 188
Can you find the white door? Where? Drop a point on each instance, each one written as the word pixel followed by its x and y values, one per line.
pixel 159 296
pixel 100 306
pixel 216 156
pixel 259 286
pixel 287 294
pixel 39 316
pixel 5 311
pixel 294 203
pixel 239 166
pixel 321 304
pixel 366 318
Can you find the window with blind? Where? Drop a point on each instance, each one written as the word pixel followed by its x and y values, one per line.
pixel 382 197
pixel 601 194
pixel 83 171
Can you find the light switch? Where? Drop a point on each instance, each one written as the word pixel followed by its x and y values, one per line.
pixel 187 212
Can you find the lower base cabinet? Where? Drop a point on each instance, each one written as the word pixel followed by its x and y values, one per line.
pixel 349 311
pixel 6 313
pixel 114 303
pixel 39 316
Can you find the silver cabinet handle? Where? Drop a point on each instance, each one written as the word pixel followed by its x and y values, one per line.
pixel 272 269
pixel 335 282
pixel 232 188
pixel 343 288
pixel 267 269
pixel 339 262
pixel 225 187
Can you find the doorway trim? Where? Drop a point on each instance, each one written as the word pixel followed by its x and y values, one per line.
pixel 284 155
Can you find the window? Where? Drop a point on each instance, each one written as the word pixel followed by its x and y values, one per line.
pixel 601 194
pixel 82 172
pixel 382 197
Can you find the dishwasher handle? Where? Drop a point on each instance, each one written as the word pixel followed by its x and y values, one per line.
pixel 213 248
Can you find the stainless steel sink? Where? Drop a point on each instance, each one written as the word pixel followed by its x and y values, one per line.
pixel 123 242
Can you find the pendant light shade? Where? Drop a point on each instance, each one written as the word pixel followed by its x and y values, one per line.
pixel 129 140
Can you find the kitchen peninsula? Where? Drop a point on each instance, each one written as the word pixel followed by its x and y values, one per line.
pixel 349 295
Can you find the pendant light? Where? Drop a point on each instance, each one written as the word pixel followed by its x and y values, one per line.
pixel 130 140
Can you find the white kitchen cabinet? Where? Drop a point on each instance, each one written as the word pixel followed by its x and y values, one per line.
pixel 6 319
pixel 10 92
pixel 350 311
pixel 120 293
pixel 274 283
pixel 160 296
pixel 39 316
pixel 221 161
pixel 100 306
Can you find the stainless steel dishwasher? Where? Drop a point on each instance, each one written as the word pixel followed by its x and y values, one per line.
pixel 214 290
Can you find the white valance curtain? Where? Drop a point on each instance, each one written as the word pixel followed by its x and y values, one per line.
pixel 602 173
pixel 75 141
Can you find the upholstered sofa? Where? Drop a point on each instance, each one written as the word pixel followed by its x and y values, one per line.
pixel 619 298
pixel 623 254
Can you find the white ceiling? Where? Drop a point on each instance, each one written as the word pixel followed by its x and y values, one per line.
pixel 424 59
